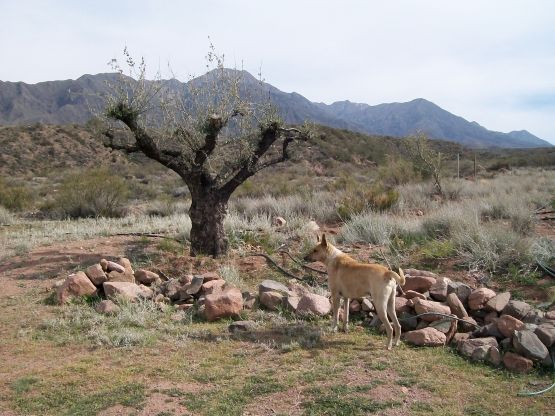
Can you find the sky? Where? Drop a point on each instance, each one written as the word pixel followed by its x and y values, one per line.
pixel 492 61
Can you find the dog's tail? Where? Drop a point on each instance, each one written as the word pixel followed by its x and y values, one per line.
pixel 399 278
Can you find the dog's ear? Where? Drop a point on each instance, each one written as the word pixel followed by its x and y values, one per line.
pixel 324 242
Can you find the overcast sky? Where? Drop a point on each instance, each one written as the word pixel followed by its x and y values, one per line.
pixel 488 61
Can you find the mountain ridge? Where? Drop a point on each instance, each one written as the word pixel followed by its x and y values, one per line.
pixel 73 101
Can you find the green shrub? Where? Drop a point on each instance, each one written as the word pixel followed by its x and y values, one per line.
pixel 6 217
pixel 397 171
pixel 92 193
pixel 14 198
pixel 359 198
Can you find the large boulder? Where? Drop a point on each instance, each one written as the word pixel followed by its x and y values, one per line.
pixel 419 284
pixel 271 300
pixel 222 305
pixel 427 337
pixel 127 290
pixel 426 306
pixel 479 297
pixel 456 305
pixel 508 324
pixel 313 304
pixel 466 347
pixel 546 334
pixel 517 363
pixel 529 345
pixel 517 308
pixel 75 285
pixel 96 274
pixel 498 302
pixel 272 286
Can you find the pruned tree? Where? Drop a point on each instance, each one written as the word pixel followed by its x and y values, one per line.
pixel 214 136
pixel 426 159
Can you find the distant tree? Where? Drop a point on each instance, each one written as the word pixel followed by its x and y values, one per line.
pixel 213 136
pixel 425 159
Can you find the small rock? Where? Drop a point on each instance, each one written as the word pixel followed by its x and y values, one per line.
pixel 460 289
pixel 171 289
pixel 242 326
pixel 479 298
pixel 212 286
pixel 459 337
pixel 367 305
pixel 96 274
pixel 114 267
pixel 107 307
pixel 291 303
pixel 249 300
pixel 160 298
pixel 535 316
pixel 401 305
pixel 408 321
pixel 271 300
pixel 314 304
pixel 505 344
pixel 194 287
pixel 416 272
pixel 419 284
pixel 550 315
pixel 427 337
pixel 498 302
pixel 517 309
pixel 278 222
pixel 507 325
pixel 75 285
pixel 209 276
pixel 124 261
pixel 128 290
pixel 456 305
pixel 425 306
pixel 221 305
pixel 547 362
pixel 442 325
pixel 104 264
pixel 438 291
pixel 466 347
pixel 517 363
pixel 186 279
pixel 489 330
pixel 145 277
pixel 529 345
pixel 491 317
pixel 272 285
pixel 411 294
pixel 115 276
pixel 494 356
pixel 468 324
pixel 546 334
pixel 480 353
pixel 354 306
pixel 184 306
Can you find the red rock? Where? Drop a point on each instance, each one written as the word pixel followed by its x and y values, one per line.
pixel 107 307
pixel 498 302
pixel 401 305
pixel 427 337
pixel 104 264
pixel 416 272
pixel 491 317
pixel 438 291
pixel 279 222
pixel 75 285
pixel 127 290
pixel 517 363
pixel 354 306
pixel 479 297
pixel 271 300
pixel 419 284
pixel 466 347
pixel 507 325
pixel 145 277
pixel 114 267
pixel 494 356
pixel 411 294
pixel 222 305
pixel 212 286
pixel 468 324
pixel 424 306
pixel 312 303
pixel 124 261
pixel 208 277
pixel 459 337
pixel 96 274
pixel 550 315
pixel 456 305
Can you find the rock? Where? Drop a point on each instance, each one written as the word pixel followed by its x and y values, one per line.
pixel 314 304
pixel 479 297
pixel 529 345
pixel 491 317
pixel 517 309
pixel 507 325
pixel 466 347
pixel 209 276
pixel 550 315
pixel 107 307
pixel 160 298
pixel 546 334
pixel 278 221
pixel 96 274
pixel 478 314
pixel 171 289
pixel 517 363
pixel 530 327
pixel 242 326
pixel 112 266
pixel 222 305
pixel 212 286
pixel 498 302
pixel 401 305
pixel 115 276
pixel 535 316
pixel 419 284
pixel 249 300
pixel 354 306
pixel 296 289
pixel 408 321
pixel 145 277
pixel 426 337
pixel 367 305
pixel 460 289
pixel 489 330
pixel 468 324
pixel 411 294
pixel 272 285
pixel 104 264
pixel 442 325
pixel 416 272
pixel 480 353
pixel 124 261
pixel 494 356
pixel 456 305
pixel 459 337
pixel 505 344
pixel 271 300
pixel 291 303
pixel 186 279
pixel 184 306
pixel 127 290
pixel 424 306
pixel 194 287
pixel 547 361
pixel 75 285
pixel 438 291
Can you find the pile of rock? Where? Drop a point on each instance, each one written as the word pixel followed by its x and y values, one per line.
pixel 295 298
pixel 495 328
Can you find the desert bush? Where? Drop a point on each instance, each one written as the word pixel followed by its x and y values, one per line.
pixel 232 276
pixel 397 171
pixel 358 198
pixel 6 218
pixel 93 193
pixel 14 197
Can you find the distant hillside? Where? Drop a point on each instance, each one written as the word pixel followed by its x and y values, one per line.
pixel 71 101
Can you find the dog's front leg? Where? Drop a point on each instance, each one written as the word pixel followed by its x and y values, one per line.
pixel 335 310
pixel 346 302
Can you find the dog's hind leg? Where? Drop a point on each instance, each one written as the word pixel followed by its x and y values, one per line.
pixel 346 302
pixel 393 315
pixel 335 310
pixel 381 306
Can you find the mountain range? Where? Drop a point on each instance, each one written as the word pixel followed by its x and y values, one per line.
pixel 71 101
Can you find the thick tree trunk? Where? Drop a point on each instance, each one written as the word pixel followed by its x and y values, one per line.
pixel 208 211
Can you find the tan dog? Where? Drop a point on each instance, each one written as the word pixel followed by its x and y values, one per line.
pixel 350 279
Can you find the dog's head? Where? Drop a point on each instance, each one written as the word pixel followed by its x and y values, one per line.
pixel 320 251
